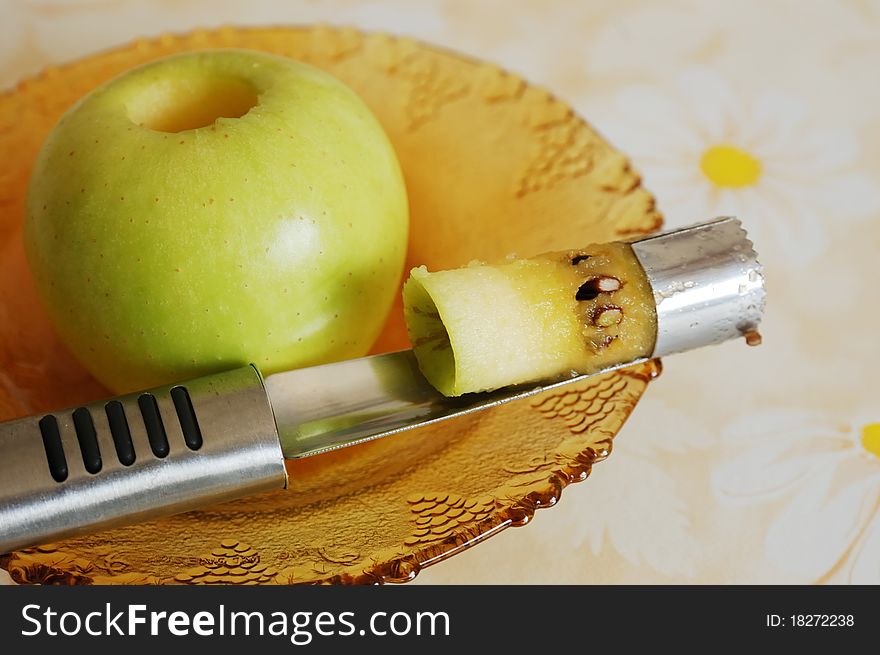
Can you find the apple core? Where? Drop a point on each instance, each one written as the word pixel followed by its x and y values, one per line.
pixel 484 326
pixel 176 105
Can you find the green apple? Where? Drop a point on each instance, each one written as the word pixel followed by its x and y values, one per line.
pixel 214 209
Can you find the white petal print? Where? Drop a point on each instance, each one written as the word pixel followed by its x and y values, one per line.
pixel 665 118
pixel 768 471
pixel 714 109
pixel 826 473
pixel 667 33
pixel 821 523
pixel 637 510
pixel 866 561
pixel 796 223
pixel 768 116
pixel 854 193
pixel 820 152
pixel 690 206
pixel 636 506
pixel 705 149
pixel 781 423
pixel 790 446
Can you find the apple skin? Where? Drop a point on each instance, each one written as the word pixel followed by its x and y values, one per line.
pixel 276 238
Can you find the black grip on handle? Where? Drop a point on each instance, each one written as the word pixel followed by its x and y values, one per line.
pixel 88 439
pixel 87 436
pixel 54 450
pixel 137 457
pixel 153 422
pixel 189 424
pixel 118 424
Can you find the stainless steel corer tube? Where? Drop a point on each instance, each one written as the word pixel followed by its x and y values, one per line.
pixel 224 436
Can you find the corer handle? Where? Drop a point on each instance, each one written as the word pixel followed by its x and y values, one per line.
pixel 137 457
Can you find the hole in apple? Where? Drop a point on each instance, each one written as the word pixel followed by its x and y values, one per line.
pixel 176 105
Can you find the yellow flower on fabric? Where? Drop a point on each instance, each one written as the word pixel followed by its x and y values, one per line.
pixel 705 150
pixel 826 472
pixel 871 439
pixel 728 166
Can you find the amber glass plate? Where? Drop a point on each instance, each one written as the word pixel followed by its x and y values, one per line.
pixel 493 166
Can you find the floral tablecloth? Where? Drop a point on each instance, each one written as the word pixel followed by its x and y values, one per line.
pixel 738 465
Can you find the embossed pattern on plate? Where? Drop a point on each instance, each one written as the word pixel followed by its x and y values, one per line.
pixel 493 166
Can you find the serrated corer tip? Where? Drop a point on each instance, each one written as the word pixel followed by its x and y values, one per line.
pixel 708 284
